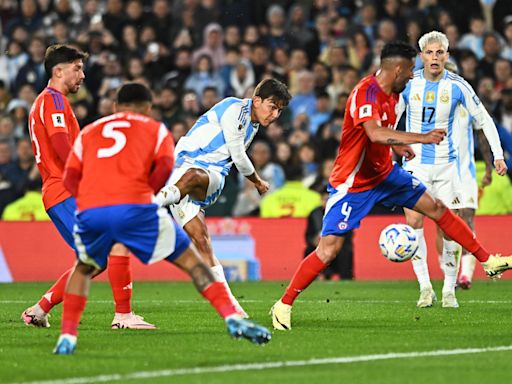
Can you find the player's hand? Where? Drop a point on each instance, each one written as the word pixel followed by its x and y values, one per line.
pixel 501 167
pixel 435 136
pixel 487 179
pixel 404 151
pixel 262 186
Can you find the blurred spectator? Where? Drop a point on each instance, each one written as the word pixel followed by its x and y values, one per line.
pixel 33 70
pixel 212 46
pixel 308 160
pixel 18 109
pixel 8 191
pixel 249 199
pixel 114 18
pixel 474 39
pixel 277 35
pixel 209 98
pixel 304 100
pixel 27 16
pixel 5 95
pixel 182 69
pixel 169 103
pixel 322 112
pixel 162 21
pixel 204 75
pixel 27 93
pixel 29 207
pixel 491 47
pixel 468 68
pixel 506 53
pixel 105 107
pixel 241 78
pixel 178 129
pixel 232 36
pixel 359 51
pixel 293 199
pixel 190 103
pixel 7 131
pixel 502 72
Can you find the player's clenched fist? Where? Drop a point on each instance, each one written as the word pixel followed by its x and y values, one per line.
pixel 435 136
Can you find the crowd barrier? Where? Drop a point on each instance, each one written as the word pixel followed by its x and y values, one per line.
pixel 251 248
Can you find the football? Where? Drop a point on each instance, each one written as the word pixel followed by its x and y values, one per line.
pixel 398 242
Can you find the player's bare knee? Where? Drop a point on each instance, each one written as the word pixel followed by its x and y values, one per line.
pixel 416 222
pixel 88 270
pixel 120 250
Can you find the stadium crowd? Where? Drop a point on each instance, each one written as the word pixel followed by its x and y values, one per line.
pixel 193 53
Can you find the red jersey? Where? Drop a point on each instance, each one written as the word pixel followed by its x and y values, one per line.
pixel 115 156
pixel 51 114
pixel 362 165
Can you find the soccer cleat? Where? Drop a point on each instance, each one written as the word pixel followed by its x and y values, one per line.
pixel 130 321
pixel 427 298
pixel 449 300
pixel 241 328
pixel 281 316
pixel 496 265
pixel 36 317
pixel 464 282
pixel 66 345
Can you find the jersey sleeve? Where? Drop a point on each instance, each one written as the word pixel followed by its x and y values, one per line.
pixel 364 106
pixel 234 131
pixel 54 114
pixel 400 108
pixel 164 144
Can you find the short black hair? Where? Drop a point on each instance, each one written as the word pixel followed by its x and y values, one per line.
pixel 133 93
pixel 273 89
pixel 398 49
pixel 61 53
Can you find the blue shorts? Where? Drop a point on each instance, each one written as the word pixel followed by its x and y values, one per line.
pixel 145 229
pixel 345 210
pixel 63 216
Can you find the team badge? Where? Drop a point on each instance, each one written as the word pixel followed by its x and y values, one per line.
pixel 445 98
pixel 342 225
pixel 430 97
pixel 365 111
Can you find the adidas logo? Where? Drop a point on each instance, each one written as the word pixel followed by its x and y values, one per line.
pixel 128 287
pixel 416 97
pixel 456 201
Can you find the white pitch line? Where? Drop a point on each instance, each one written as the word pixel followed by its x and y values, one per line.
pixel 269 365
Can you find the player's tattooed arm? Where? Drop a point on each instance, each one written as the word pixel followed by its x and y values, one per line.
pixel 395 142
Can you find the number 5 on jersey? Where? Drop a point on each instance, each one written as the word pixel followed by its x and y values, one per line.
pixel 109 132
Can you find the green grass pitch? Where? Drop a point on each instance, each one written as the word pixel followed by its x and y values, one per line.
pixel 352 320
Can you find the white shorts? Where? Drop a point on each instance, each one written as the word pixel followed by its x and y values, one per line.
pixel 187 208
pixel 469 191
pixel 442 181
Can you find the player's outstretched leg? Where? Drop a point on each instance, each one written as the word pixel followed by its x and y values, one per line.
pixel 215 292
pixel 455 228
pixel 37 315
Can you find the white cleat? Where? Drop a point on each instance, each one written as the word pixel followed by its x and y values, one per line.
pixel 130 321
pixel 35 316
pixel 281 316
pixel 449 300
pixel 496 265
pixel 427 298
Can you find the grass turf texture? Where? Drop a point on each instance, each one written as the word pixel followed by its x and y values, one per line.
pixel 331 319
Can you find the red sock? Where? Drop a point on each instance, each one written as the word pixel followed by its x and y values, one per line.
pixel 55 294
pixel 120 276
pixel 218 297
pixel 307 271
pixel 457 230
pixel 73 308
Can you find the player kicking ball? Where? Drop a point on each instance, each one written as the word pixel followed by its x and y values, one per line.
pixel 364 175
pixel 219 138
pixel 116 166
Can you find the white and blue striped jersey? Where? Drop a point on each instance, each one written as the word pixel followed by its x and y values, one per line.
pixel 466 143
pixel 220 137
pixel 430 105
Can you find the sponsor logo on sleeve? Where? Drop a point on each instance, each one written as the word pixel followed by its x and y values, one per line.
pixel 58 120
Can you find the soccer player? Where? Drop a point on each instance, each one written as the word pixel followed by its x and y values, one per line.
pixel 364 175
pixel 431 100
pixel 53 129
pixel 219 138
pixel 116 165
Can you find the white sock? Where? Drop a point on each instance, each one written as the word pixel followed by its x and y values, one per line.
pixel 468 265
pixel 419 261
pixel 170 194
pixel 450 264
pixel 218 273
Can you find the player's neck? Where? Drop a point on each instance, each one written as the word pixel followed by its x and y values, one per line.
pixel 58 87
pixel 384 81
pixel 430 77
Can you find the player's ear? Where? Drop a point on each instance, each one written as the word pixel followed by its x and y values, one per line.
pixel 256 101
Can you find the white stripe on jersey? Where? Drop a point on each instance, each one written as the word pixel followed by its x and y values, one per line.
pixel 205 144
pixel 465 142
pixel 432 105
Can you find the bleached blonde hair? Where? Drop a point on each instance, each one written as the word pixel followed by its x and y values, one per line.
pixel 433 37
